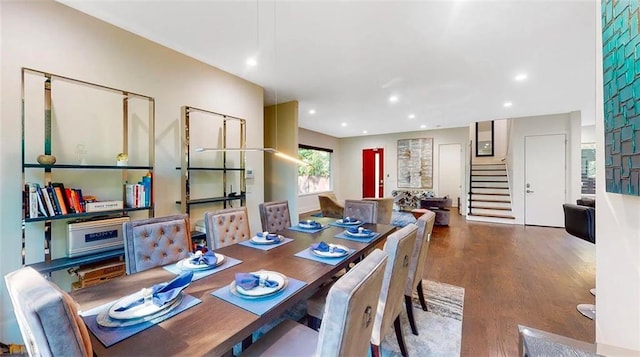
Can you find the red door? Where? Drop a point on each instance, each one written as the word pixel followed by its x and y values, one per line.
pixel 373 172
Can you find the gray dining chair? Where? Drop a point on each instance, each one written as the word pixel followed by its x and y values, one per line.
pixel 384 209
pixel 349 317
pixel 275 216
pixel 153 242
pixel 363 210
pixel 399 247
pixel 416 266
pixel 47 316
pixel 227 227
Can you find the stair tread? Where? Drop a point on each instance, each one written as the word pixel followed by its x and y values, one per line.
pixel 493 208
pixel 491 187
pixel 492 215
pixel 492 181
pixel 493 201
pixel 498 175
pixel 489 193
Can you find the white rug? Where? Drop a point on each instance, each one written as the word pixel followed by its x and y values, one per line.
pixel 440 328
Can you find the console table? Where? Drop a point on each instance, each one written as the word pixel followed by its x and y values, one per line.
pixel 440 206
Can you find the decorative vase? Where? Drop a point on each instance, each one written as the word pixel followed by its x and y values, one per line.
pixel 46 159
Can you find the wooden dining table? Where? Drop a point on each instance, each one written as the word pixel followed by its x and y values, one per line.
pixel 214 326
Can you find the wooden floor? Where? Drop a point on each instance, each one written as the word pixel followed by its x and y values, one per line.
pixel 512 274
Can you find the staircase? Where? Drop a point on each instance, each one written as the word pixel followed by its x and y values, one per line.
pixel 489 194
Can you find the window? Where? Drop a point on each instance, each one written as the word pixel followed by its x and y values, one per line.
pixel 316 177
pixel 588 168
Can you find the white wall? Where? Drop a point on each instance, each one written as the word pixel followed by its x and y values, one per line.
pixel 51 37
pixel 618 244
pixel 350 177
pixel 589 134
pixel 500 142
pixel 308 203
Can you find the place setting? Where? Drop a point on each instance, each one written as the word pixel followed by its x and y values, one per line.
pixel 266 241
pixel 259 291
pixel 326 253
pixel 347 222
pixel 202 264
pixel 358 234
pixel 308 226
pixel 116 321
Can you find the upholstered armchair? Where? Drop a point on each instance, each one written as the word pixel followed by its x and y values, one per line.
pixel 385 209
pixel 329 205
pixel 275 216
pixel 365 211
pixel 47 316
pixel 153 242
pixel 226 227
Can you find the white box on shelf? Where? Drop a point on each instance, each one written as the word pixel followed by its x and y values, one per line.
pixel 100 206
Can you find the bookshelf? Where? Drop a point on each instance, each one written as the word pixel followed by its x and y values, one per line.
pixel 85 126
pixel 221 175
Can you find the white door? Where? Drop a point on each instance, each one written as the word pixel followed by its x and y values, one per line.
pixel 545 182
pixel 449 168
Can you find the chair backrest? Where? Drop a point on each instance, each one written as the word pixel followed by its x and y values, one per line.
pixel 385 209
pixel 153 242
pixel 226 227
pixel 351 308
pixel 275 216
pixel 47 316
pixel 420 248
pixel 329 205
pixel 399 246
pixel 365 211
pixel 580 221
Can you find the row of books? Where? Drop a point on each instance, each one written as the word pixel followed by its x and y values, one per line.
pixel 139 194
pixel 53 200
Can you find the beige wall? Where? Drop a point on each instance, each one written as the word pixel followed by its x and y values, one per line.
pixel 51 37
pixel 307 203
pixel 500 142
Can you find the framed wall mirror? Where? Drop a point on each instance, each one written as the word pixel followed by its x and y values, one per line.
pixel 484 138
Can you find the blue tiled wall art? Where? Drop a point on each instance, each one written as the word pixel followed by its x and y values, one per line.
pixel 621 77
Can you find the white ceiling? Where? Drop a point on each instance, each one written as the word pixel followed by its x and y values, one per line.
pixel 449 62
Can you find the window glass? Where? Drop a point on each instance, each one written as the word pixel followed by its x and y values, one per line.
pixel 588 168
pixel 315 177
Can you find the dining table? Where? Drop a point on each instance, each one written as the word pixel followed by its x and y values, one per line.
pixel 213 326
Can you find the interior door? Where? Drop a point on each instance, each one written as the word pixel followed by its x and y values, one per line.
pixel 373 172
pixel 545 180
pixel 449 167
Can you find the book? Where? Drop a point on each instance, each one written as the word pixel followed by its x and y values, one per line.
pixel 80 199
pixel 41 203
pixel 100 206
pixel 32 208
pixel 71 207
pixel 59 196
pixel 76 201
pixel 62 195
pixel 51 203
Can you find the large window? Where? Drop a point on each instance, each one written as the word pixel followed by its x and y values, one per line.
pixel 588 168
pixel 315 177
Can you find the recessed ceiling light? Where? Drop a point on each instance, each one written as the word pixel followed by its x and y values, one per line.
pixel 364 132
pixel 412 116
pixel 312 111
pixel 344 124
pixel 252 62
pixel 521 77
pixel 507 104
pixel 423 126
pixel 393 98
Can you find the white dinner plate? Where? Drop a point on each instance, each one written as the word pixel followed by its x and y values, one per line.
pixel 103 318
pixel 331 254
pixel 145 309
pixel 359 235
pixel 262 240
pixel 186 264
pixel 260 291
pixel 340 221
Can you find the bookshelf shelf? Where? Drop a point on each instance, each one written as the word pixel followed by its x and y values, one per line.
pixel 87 167
pixel 84 214
pixel 213 168
pixel 214 199
pixel 50 266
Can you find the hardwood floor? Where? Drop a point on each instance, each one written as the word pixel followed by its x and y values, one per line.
pixel 512 274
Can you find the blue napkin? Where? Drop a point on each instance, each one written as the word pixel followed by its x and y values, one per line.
pixel 349 220
pixel 324 247
pixel 164 292
pixel 269 236
pixel 208 258
pixel 356 230
pixel 248 281
pixel 310 225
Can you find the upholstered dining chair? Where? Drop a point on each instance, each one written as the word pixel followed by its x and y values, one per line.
pixel 329 205
pixel 385 209
pixel 275 216
pixel 399 247
pixel 349 318
pixel 416 267
pixel 47 316
pixel 226 227
pixel 153 242
pixel 365 211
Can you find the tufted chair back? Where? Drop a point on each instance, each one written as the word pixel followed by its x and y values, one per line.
pixel 227 227
pixel 420 248
pixel 365 211
pixel 153 242
pixel 275 216
pixel 329 205
pixel 47 316
pixel 399 246
pixel 385 209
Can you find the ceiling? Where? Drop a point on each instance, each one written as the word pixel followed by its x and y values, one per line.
pixel 449 63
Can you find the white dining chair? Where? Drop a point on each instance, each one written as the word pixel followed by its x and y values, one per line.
pixel 363 210
pixel 226 227
pixel 275 216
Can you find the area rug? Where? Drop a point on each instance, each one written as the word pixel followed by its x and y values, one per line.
pixel 401 219
pixel 440 328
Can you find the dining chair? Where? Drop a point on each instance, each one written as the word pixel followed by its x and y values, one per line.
pixel 385 209
pixel 153 242
pixel 349 316
pixel 329 205
pixel 274 216
pixel 416 266
pixel 399 247
pixel 226 227
pixel 47 316
pixel 365 211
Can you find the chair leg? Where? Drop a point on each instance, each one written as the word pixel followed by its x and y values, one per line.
pixel 247 342
pixel 375 351
pixel 409 305
pixel 421 296
pixel 313 322
pixel 400 337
